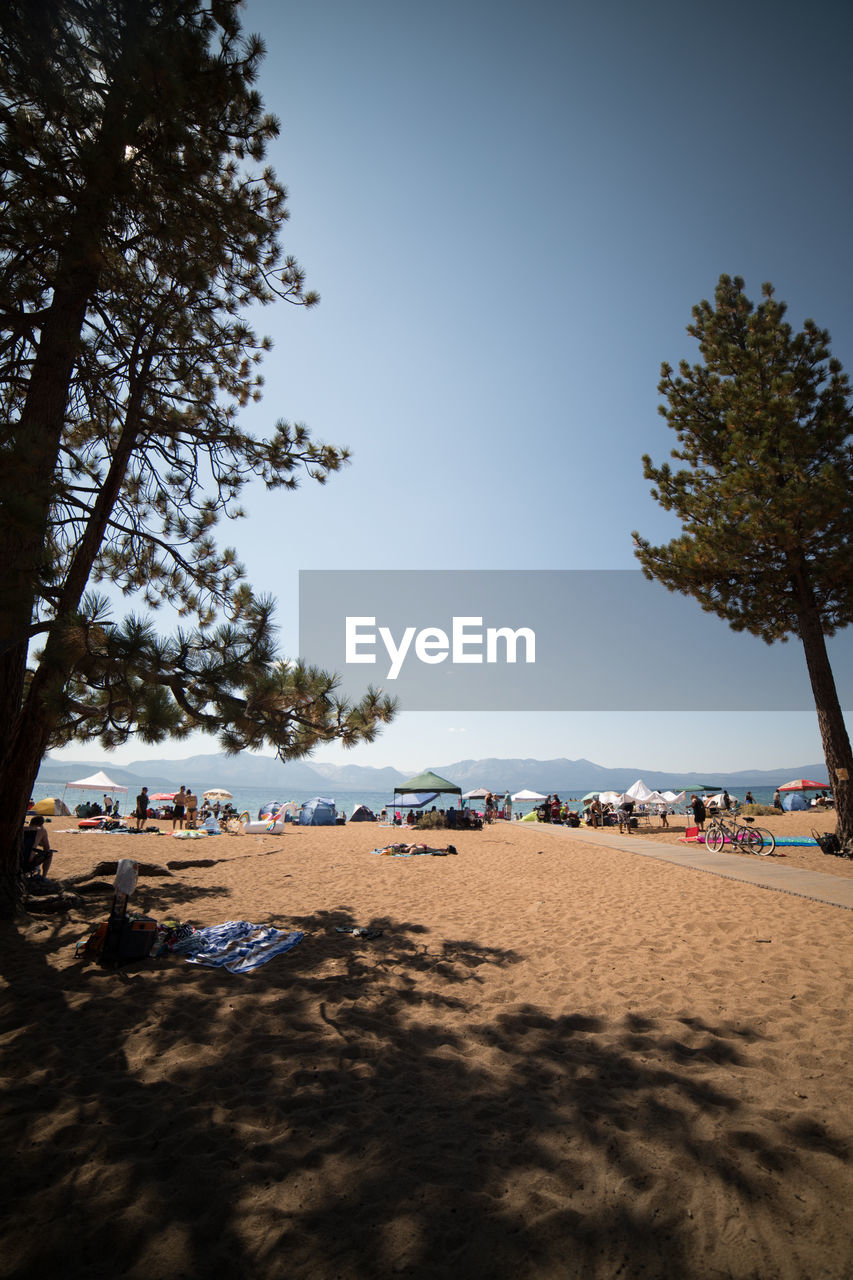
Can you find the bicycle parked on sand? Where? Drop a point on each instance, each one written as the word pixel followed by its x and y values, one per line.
pixel 742 836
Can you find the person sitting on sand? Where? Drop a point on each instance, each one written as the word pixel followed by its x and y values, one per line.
pixel 39 853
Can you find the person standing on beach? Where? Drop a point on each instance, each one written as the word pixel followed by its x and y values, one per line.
pixel 727 801
pixel 777 801
pixel 108 805
pixel 700 813
pixel 748 798
pixel 141 809
pixel 192 809
pixel 179 808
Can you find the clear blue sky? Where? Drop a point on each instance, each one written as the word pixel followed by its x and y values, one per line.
pixel 509 210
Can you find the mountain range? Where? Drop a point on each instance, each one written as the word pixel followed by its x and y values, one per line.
pixel 566 777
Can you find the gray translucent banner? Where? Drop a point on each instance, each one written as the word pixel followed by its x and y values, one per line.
pixel 562 640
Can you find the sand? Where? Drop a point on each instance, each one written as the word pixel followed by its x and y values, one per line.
pixel 557 1060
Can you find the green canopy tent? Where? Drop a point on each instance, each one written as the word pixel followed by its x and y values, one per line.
pixel 428 782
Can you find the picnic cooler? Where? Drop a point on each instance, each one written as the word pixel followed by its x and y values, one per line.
pixel 137 938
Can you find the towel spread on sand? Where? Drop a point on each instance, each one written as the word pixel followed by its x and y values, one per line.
pixel 237 945
pixel 412 851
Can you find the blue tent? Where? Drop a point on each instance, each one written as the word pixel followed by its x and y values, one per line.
pixel 318 813
pixel 793 800
pixel 415 799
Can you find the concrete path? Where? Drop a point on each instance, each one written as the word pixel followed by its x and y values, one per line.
pixel 763 872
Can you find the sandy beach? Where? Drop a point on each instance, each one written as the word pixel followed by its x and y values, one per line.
pixel 556 1059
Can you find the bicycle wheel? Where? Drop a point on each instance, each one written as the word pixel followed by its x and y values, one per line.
pixel 715 839
pixel 750 840
pixel 768 841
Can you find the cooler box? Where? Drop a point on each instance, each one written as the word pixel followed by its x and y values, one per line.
pixel 137 938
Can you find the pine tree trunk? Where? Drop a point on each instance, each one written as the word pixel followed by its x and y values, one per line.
pixel 12 893
pixel 16 783
pixel 830 718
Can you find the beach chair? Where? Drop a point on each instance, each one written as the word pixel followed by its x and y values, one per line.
pixel 691 836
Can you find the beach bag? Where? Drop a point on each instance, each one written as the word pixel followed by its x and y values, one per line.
pixel 828 841
pixel 94 944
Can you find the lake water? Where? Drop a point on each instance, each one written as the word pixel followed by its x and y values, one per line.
pixel 250 799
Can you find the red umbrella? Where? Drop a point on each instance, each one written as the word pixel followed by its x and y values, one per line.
pixel 804 784
pixel 163 797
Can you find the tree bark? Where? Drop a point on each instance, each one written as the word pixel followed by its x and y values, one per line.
pixel 30 465
pixel 830 718
pixel 31 726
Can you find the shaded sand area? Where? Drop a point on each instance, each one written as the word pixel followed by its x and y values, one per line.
pixel 558 1060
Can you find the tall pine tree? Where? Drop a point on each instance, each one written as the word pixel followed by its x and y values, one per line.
pixel 764 424
pixel 137 227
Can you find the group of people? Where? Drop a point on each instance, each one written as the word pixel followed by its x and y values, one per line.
pixel 457 819
pixel 184 809
pixel 557 811
pixel 495 807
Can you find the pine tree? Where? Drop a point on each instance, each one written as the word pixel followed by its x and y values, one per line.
pixel 764 424
pixel 137 226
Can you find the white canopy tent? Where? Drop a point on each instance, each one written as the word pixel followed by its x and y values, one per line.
pixel 639 792
pixel 97 782
pixel 527 797
pixel 655 797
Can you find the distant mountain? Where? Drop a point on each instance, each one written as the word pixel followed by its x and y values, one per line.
pixel 62 771
pixel 201 772
pixel 357 777
pixel 572 777
pixel 567 777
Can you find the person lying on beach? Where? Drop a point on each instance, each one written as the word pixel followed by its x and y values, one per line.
pixel 392 849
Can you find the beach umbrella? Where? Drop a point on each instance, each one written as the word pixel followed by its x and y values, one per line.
pixel 217 793
pixel 162 797
pixel 804 784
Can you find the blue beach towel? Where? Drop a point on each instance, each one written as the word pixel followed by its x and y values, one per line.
pixel 237 945
pixel 791 842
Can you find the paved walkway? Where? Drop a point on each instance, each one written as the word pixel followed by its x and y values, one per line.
pixel 820 886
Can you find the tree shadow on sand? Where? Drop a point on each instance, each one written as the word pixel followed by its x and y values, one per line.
pixel 344 1111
